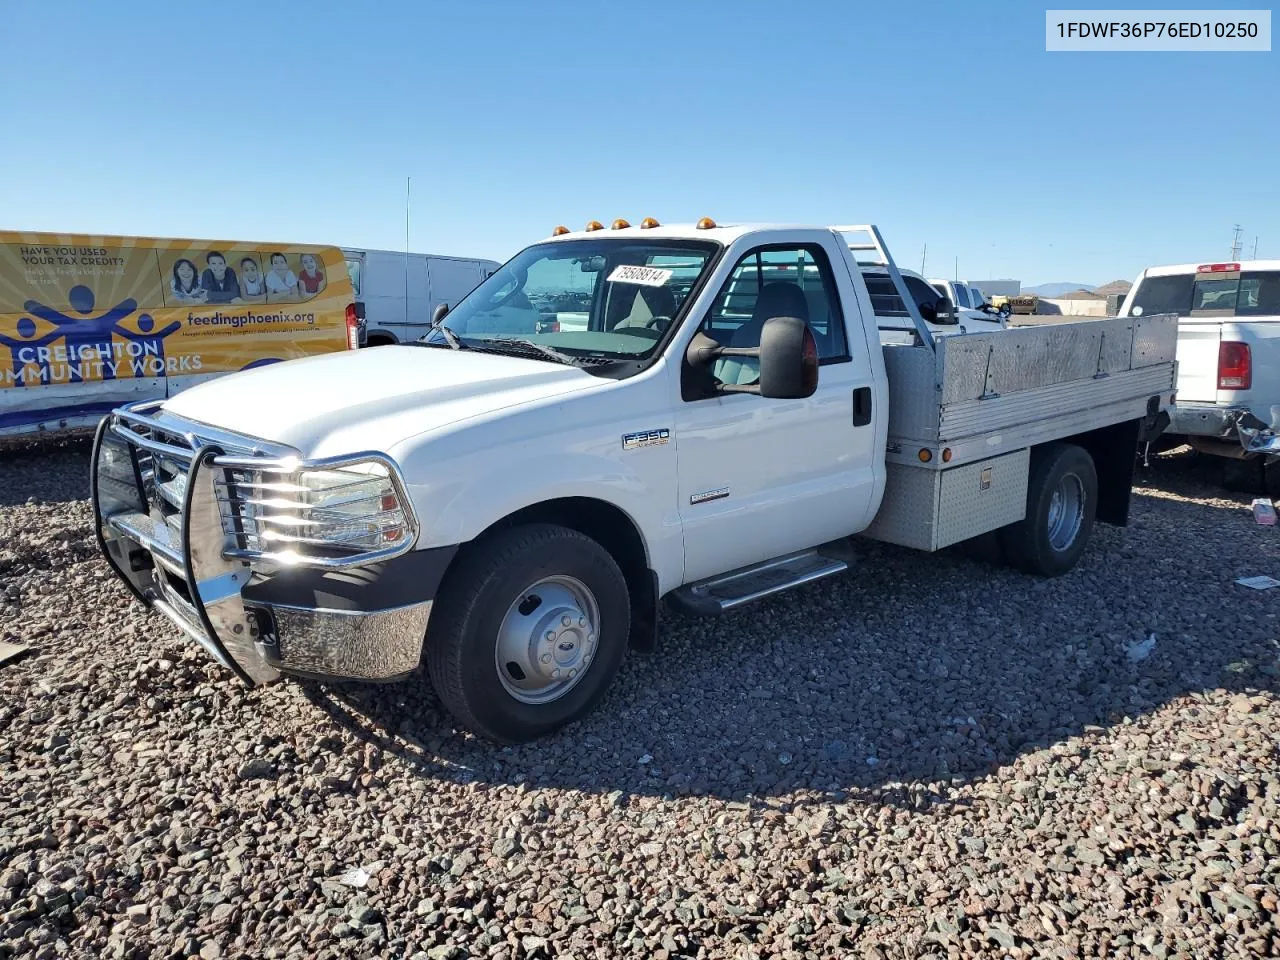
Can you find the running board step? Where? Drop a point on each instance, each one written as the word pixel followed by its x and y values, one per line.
pixel 716 595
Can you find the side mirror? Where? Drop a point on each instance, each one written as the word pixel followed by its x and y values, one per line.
pixel 439 313
pixel 946 312
pixel 787 355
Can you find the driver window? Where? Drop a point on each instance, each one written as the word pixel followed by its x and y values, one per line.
pixel 925 296
pixel 787 282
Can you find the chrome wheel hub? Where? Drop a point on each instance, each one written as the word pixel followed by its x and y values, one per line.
pixel 1066 512
pixel 547 639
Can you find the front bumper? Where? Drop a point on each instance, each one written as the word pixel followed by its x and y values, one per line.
pixel 259 620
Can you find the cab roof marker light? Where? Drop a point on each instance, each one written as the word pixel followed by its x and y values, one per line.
pixel 620 224
pixel 706 223
pixel 648 223
pixel 560 231
pixel 594 225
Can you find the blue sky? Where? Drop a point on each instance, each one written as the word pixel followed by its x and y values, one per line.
pixel 944 123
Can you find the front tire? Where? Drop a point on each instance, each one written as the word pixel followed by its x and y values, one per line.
pixel 529 631
pixel 1062 499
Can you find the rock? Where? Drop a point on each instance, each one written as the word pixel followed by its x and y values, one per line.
pixel 256 768
pixel 362 913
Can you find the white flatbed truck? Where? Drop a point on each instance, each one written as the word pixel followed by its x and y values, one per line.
pixel 509 501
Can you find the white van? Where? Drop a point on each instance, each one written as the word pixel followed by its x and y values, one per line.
pixel 399 291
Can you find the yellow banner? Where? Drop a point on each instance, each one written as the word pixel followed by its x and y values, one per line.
pixel 82 309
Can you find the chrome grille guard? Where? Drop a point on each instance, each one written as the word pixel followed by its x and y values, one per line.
pixel 167 499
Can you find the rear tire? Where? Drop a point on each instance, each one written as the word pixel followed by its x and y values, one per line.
pixel 1062 499
pixel 520 605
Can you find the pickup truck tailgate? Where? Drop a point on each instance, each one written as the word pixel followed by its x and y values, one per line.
pixel 1198 360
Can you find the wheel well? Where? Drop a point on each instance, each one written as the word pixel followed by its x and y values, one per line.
pixel 380 339
pixel 1114 450
pixel 616 532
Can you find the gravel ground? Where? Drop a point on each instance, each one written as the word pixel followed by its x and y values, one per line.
pixel 928 757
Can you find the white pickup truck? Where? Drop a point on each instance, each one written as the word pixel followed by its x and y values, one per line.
pixel 1228 390
pixel 510 502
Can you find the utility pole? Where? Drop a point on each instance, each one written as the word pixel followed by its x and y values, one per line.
pixel 1235 244
pixel 1255 246
pixel 957 269
pixel 406 249
pixel 923 254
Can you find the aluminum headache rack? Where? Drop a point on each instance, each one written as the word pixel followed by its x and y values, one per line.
pixel 876 245
pixel 182 510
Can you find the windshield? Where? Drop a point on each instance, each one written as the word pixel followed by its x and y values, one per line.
pixel 585 301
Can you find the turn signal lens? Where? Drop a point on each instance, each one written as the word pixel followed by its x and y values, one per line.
pixel 594 225
pixel 620 224
pixel 706 223
pixel 648 222
pixel 925 455
pixel 946 455
pixel 560 231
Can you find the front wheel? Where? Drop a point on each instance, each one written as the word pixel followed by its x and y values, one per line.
pixel 529 632
pixel 1062 498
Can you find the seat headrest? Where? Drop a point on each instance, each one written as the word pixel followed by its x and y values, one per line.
pixel 780 299
pixel 660 301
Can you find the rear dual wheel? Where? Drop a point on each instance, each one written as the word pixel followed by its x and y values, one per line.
pixel 529 631
pixel 1062 500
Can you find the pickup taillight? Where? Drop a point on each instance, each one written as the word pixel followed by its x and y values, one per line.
pixel 1235 366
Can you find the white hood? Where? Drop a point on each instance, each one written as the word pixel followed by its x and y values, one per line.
pixel 373 398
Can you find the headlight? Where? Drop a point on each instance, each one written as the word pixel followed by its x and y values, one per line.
pixel 336 513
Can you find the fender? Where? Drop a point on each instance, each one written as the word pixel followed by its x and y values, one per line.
pixel 456 509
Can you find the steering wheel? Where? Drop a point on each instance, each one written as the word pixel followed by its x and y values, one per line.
pixel 659 323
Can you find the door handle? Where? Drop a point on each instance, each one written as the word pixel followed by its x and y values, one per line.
pixel 861 406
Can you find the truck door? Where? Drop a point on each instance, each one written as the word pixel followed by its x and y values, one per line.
pixel 759 477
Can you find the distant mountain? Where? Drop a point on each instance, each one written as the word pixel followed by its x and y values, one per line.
pixel 1115 286
pixel 1057 289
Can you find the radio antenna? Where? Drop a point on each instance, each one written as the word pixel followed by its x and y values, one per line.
pixel 406 252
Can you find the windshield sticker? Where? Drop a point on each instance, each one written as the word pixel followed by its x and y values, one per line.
pixel 646 276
